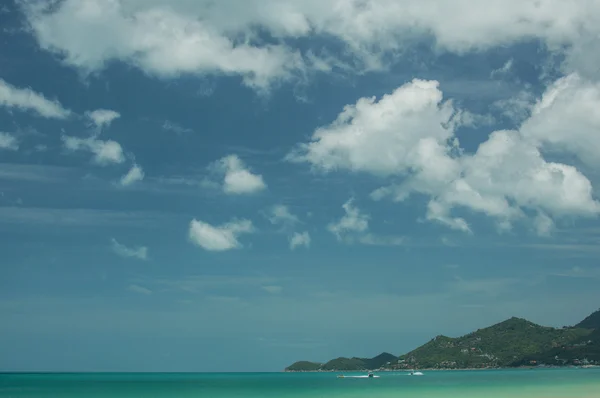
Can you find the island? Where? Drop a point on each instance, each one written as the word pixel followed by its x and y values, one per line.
pixel 515 342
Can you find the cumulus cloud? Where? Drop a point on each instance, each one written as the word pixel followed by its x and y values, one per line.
pixel 174 37
pixel 299 239
pixel 102 117
pixel 218 238
pixel 409 135
pixel 105 151
pixel 162 39
pixel 543 224
pixel 352 221
pixel 134 175
pixel 280 214
pixel 8 141
pixel 566 119
pixel 382 137
pixel 237 179
pixel 140 252
pixel 27 99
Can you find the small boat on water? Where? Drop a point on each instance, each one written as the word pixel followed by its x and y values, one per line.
pixel 413 373
pixel 369 375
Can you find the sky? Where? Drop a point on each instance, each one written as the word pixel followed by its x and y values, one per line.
pixel 234 186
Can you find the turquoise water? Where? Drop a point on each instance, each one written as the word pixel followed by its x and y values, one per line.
pixel 495 383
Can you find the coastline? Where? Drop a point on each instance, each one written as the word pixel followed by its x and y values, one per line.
pixel 445 370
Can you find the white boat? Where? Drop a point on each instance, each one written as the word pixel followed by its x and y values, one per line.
pixel 370 375
pixel 415 373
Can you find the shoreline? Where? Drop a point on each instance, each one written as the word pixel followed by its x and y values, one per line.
pixel 444 370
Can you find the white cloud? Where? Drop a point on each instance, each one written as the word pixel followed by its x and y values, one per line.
pixel 409 135
pixel 517 108
pixel 139 289
pixel 352 221
pixel 174 127
pixel 102 117
pixel 140 252
pixel 105 152
pixel 382 137
pixel 161 39
pixel 354 227
pixel 280 214
pixel 168 38
pixel 27 99
pixel 237 179
pixel 543 224
pixel 470 119
pixel 504 70
pixel 566 119
pixel 299 239
pixel 219 238
pixel 133 175
pixel 8 141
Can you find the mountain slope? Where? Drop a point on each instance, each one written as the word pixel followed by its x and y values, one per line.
pixel 304 366
pixel 514 342
pixel 381 360
pixel 582 351
pixel 591 322
pixel 503 344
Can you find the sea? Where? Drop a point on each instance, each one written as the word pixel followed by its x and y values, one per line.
pixel 531 383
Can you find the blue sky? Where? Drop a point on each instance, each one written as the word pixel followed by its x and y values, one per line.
pixel 197 186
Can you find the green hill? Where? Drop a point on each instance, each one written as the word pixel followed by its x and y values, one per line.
pixel 381 360
pixel 345 364
pixel 591 322
pixel 304 366
pixel 354 363
pixel 514 342
pixel 504 344
pixel 582 351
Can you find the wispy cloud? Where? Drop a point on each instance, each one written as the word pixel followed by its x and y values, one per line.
pixel 561 247
pixel 139 289
pixel 174 127
pixel 34 172
pixel 272 289
pixel 105 151
pixel 139 252
pixel 8 141
pixel 27 99
pixel 209 283
pixel 134 174
pixel 381 240
pixel 354 227
pixel 81 217
pixel 503 70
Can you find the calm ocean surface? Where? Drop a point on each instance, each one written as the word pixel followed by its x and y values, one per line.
pixel 496 383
